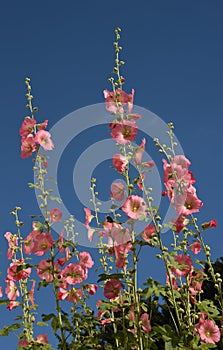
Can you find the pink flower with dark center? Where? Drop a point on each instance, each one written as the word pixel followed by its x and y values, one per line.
pixel 28 146
pixel 43 242
pixel 134 207
pixel 124 131
pixel 139 152
pixel 45 270
pixel 209 224
pixel 196 247
pixel 85 260
pixel 43 138
pixel 117 191
pixel 112 289
pixel 148 233
pixel 55 215
pixel 208 331
pixel 184 265
pixel 146 326
pixel 187 204
pixel 74 273
pixel 17 270
pixel 120 162
pixel 27 127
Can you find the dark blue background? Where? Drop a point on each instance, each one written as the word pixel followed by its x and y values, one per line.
pixel 173 52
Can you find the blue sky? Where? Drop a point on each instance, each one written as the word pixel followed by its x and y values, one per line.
pixel 173 52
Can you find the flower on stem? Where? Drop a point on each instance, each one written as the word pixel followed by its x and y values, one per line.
pixel 149 233
pixel 209 224
pixel 179 223
pixel 134 207
pixel 184 265
pixel 139 152
pixel 124 131
pixel 42 339
pixel 28 146
pixel 115 100
pixel 55 215
pixel 117 191
pixel 18 271
pixel 146 326
pixel 121 253
pixel 208 331
pixel 88 217
pixel 13 244
pixel 45 270
pixel 43 242
pixel 85 260
pixel 74 273
pixel 112 289
pixel 43 138
pixel 196 247
pixel 27 127
pixel 187 204
pixel 120 162
pixel 11 289
pixel 91 288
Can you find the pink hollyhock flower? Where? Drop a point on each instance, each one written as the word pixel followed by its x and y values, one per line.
pixel 119 162
pixel 124 131
pixel 106 321
pixel 29 243
pixel 74 273
pixel 148 233
pixel 43 242
pixel 91 288
pixel 115 101
pixel 131 100
pixel 12 305
pixel 146 326
pixel 42 339
pixel 118 235
pixel 140 180
pixel 209 224
pixel 117 191
pixel 121 253
pixel 181 160
pixel 12 242
pixel 112 289
pixel 148 164
pixel 28 146
pixel 60 242
pixel 45 270
pixel 196 281
pixel 31 294
pixel 27 127
pixel 139 152
pixel 72 295
pixel 17 270
pixel 23 342
pixel 1 292
pixel 85 260
pixel 55 215
pixel 173 281
pixel 43 125
pixel 62 261
pixel 208 331
pixel 187 204
pixel 43 138
pixel 196 247
pixel 11 290
pixel 90 233
pixel 88 217
pixel 179 223
pixel 134 207
pixel 184 265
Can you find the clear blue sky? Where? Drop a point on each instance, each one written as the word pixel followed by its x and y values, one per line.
pixel 173 52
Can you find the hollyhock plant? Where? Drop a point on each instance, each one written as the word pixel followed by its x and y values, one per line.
pixel 28 146
pixel 112 289
pixel 120 162
pixel 117 191
pixel 209 224
pixel 124 131
pixel 43 138
pixel 55 215
pixel 27 127
pixel 208 331
pixel 43 242
pixel 184 265
pixel 134 207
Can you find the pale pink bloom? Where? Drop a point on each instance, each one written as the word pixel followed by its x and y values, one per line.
pixel 146 326
pixel 42 339
pixel 31 294
pixel 184 265
pixel 119 162
pixel 23 342
pixel 88 217
pixel 92 288
pixel 139 152
pixel 134 207
pixel 45 270
pixel 149 233
pixel 117 191
pixel 43 125
pixel 124 131
pixel 115 101
pixel 17 270
pixel 29 243
pixel 208 331
pixel 28 146
pixel 85 260
pixel 118 235
pixel 112 289
pixel 121 253
pixel 12 305
pixel 148 164
pixel 187 204
pixel 11 290
pixel 196 247
pixel 196 281
pixel 55 215
pixel 43 242
pixel 181 160
pixel 90 233
pixel 73 273
pixel 12 242
pixel 27 127
pixel 209 224
pixel 43 138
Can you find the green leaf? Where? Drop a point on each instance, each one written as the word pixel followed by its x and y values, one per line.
pixel 48 317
